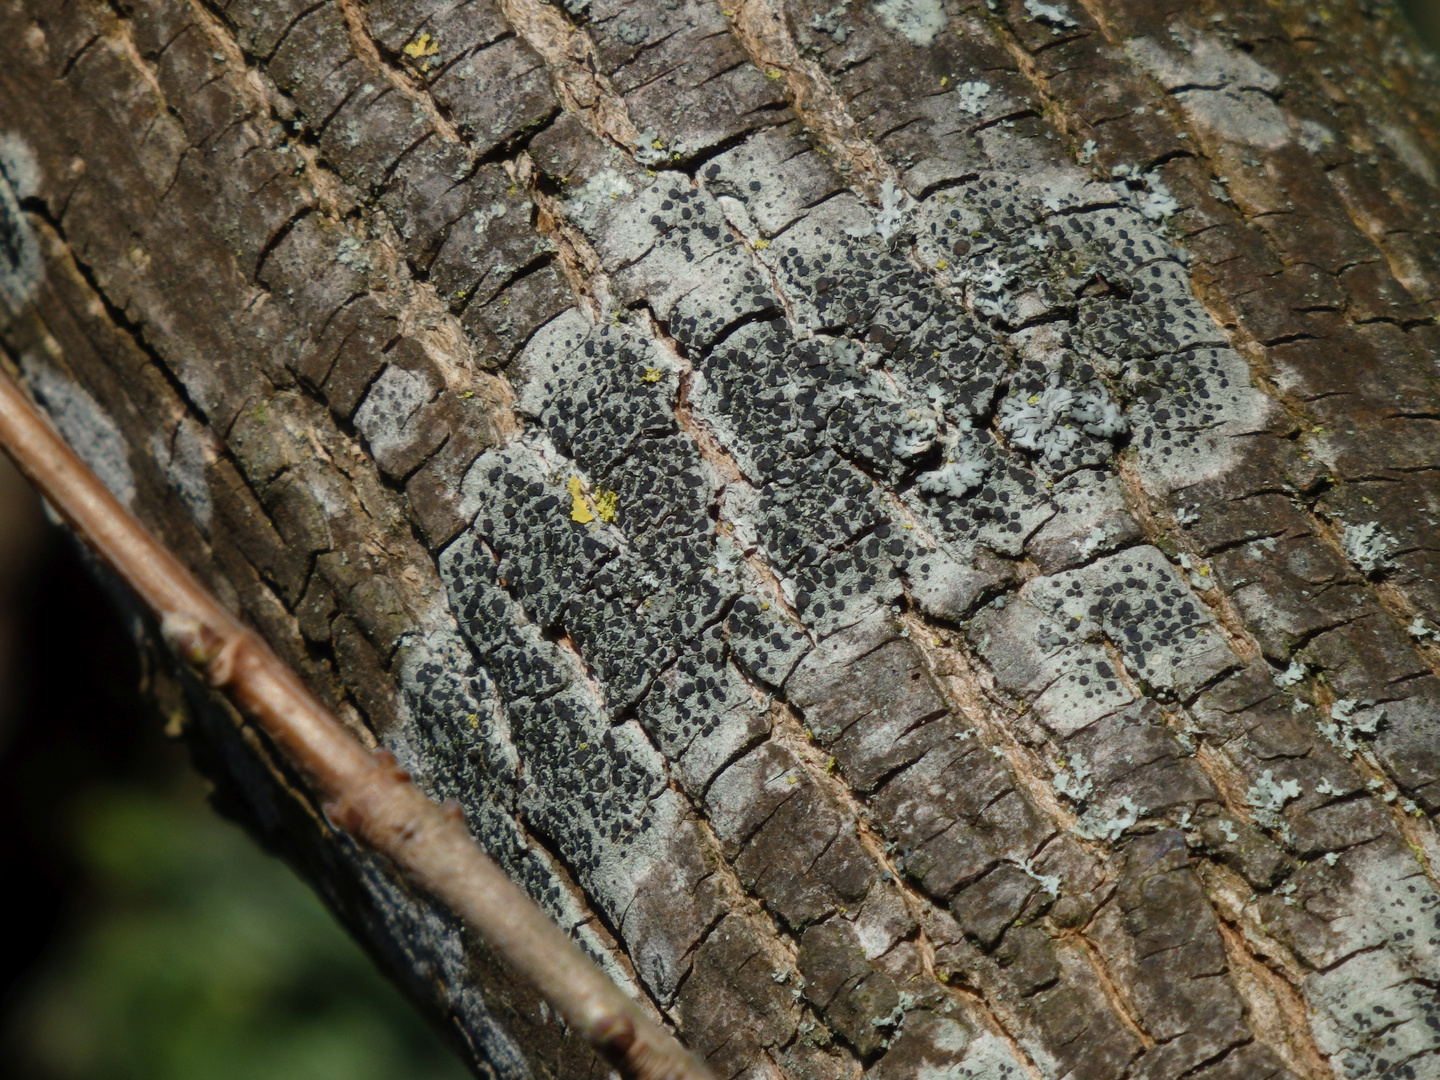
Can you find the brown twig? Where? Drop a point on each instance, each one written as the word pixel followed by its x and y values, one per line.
pixel 364 794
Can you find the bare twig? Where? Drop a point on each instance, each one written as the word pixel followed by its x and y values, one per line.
pixel 364 794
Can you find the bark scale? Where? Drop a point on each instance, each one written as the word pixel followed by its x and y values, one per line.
pixel 908 526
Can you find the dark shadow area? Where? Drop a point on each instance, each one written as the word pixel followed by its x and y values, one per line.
pixel 72 719
pixel 149 939
pixel 1424 16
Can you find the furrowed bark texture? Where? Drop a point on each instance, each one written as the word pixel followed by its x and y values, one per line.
pixel 909 525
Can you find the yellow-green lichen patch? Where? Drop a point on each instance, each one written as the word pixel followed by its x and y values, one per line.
pixel 607 504
pixel 579 509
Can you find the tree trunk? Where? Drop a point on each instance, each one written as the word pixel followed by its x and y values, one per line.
pixel 909 526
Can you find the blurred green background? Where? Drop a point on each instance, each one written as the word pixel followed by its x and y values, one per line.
pixel 198 956
pixel 148 939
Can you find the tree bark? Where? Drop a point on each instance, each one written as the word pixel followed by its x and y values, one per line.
pixel 909 526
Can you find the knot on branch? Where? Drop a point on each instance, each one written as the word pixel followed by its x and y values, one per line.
pixel 200 647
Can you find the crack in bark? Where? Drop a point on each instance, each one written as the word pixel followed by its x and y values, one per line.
pixel 759 26
pixel 569 57
pixel 403 82
pixel 1275 1003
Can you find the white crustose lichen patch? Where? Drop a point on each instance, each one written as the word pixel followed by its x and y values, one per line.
pixel 1368 547
pixel 917 21
pixel 1110 822
pixel 1075 781
pixel 1053 15
pixel 971 96
pixel 89 430
pixel 1268 796
pixel 388 407
pixel 20 264
pixel 183 457
pixel 1220 88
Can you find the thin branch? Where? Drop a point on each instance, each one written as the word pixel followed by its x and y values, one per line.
pixel 364 794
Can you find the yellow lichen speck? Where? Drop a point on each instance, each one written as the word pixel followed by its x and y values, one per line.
pixel 579 508
pixel 652 374
pixel 422 46
pixel 606 505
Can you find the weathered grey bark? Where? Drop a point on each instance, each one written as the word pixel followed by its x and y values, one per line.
pixel 909 525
